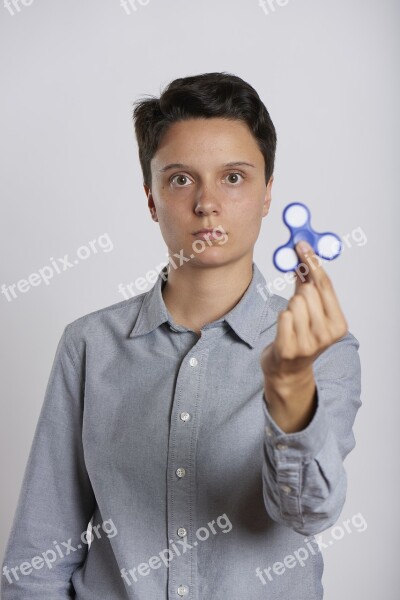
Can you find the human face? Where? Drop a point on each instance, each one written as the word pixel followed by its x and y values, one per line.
pixel 208 173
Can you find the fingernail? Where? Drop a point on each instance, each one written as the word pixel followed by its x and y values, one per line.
pixel 304 246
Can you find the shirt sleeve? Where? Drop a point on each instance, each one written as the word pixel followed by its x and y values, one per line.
pixel 56 500
pixel 304 480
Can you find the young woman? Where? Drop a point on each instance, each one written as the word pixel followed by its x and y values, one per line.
pixel 201 426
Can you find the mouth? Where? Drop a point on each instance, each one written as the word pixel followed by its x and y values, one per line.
pixel 206 233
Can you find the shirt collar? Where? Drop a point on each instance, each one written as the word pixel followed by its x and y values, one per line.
pixel 246 318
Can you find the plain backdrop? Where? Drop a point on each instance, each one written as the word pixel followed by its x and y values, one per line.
pixel 69 174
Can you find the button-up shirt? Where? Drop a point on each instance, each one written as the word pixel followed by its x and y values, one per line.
pixel 157 473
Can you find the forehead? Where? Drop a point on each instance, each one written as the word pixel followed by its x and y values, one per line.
pixel 213 138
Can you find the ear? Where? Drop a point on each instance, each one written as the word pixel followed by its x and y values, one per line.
pixel 150 202
pixel 268 197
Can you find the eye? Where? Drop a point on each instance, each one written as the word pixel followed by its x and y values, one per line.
pixel 235 175
pixel 179 180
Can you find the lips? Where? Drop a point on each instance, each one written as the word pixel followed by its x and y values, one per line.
pixel 208 234
pixel 206 230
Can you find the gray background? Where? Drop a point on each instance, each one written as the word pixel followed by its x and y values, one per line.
pixel 69 172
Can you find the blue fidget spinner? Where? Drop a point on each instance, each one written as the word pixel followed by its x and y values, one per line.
pixel 298 219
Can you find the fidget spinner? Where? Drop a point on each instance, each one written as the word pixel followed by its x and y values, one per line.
pixel 298 219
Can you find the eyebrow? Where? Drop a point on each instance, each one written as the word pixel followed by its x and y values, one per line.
pixel 182 166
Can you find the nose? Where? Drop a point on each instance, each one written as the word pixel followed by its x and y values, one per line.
pixel 206 201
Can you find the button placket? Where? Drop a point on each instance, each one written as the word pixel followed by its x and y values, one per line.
pixel 181 461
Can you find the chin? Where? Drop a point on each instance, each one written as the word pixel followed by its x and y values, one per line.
pixel 213 259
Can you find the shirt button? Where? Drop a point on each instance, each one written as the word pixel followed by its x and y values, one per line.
pixel 182 532
pixel 285 488
pixel 268 431
pixel 193 362
pixel 184 416
pixel 281 446
pixel 181 472
pixel 183 590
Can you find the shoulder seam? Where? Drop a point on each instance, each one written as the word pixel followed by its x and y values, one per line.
pixel 67 335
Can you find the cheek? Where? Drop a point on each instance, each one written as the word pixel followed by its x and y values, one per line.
pixel 171 220
pixel 249 213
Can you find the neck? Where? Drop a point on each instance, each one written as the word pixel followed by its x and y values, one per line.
pixel 197 295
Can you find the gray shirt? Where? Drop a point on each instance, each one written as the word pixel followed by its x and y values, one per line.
pixel 162 441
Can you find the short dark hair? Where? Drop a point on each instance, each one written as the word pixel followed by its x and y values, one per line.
pixel 202 96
